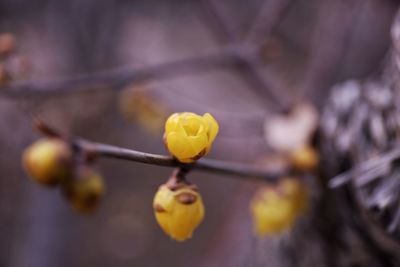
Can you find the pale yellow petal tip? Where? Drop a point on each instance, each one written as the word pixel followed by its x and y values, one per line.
pixel 213 126
pixel 189 136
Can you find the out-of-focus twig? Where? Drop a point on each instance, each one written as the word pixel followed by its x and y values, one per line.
pixel 260 81
pixel 264 84
pixel 236 53
pixel 221 23
pixel 332 33
pixel 116 78
pixel 269 15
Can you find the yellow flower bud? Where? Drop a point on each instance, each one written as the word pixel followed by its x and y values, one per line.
pixel 275 208
pixel 48 161
pixel 304 158
pixel 189 136
pixel 178 212
pixel 85 190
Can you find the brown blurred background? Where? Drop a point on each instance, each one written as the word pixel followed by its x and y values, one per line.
pixel 313 45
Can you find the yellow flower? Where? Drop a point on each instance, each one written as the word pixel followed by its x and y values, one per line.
pixel 48 161
pixel 178 212
pixel 189 136
pixel 85 190
pixel 305 158
pixel 275 208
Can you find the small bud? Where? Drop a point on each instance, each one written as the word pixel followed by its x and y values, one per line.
pixel 7 44
pixel 85 190
pixel 179 211
pixel 48 161
pixel 305 158
pixel 275 208
pixel 189 136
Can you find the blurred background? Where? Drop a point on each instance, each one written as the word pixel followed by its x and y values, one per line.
pixel 298 48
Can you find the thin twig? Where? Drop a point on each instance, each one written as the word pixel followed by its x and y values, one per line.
pixel 270 14
pixel 222 24
pixel 264 84
pixel 232 169
pixel 261 82
pixel 235 52
pixel 117 78
pixel 333 31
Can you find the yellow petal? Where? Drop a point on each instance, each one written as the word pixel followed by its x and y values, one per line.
pixel 193 124
pixel 179 146
pixel 213 127
pixel 188 115
pixel 198 143
pixel 172 123
pixel 188 135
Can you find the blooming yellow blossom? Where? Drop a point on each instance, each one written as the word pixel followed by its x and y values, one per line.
pixel 48 161
pixel 275 208
pixel 178 212
pixel 189 136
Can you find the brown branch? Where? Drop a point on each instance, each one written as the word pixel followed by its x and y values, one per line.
pixel 232 169
pixel 92 150
pixel 221 23
pixel 333 30
pixel 117 78
pixel 264 84
pixel 260 81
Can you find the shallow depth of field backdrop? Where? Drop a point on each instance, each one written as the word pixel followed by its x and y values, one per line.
pixel 300 48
